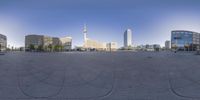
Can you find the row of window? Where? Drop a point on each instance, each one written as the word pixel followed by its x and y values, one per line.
pixel 183 33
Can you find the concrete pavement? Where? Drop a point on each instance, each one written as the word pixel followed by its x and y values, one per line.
pixel 100 76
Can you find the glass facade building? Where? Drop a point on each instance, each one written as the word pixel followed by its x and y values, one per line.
pixel 185 40
pixel 128 38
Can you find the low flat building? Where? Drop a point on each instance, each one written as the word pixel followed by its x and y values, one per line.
pixel 156 47
pixel 112 46
pixel 3 42
pixel 147 47
pixel 167 45
pixel 90 44
pixel 93 45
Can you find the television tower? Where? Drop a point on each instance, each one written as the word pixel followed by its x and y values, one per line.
pixel 85 33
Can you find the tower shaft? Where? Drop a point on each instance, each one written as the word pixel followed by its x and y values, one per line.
pixel 85 32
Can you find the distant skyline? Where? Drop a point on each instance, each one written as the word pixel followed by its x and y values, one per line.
pixel 151 21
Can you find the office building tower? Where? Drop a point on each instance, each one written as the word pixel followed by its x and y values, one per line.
pixel 128 38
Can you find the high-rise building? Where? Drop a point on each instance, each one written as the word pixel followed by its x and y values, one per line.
pixel 185 40
pixel 128 38
pixel 167 45
pixel 3 42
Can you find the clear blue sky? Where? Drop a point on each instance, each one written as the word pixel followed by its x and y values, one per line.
pixel 150 20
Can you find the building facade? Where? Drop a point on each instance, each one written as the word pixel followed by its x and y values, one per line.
pixel 93 45
pixel 167 45
pixel 33 42
pixel 3 42
pixel 112 46
pixel 56 41
pixel 156 47
pixel 185 40
pixel 90 44
pixel 66 43
pixel 147 47
pixel 128 38
pixel 46 43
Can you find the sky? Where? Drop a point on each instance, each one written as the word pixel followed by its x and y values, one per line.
pixel 151 21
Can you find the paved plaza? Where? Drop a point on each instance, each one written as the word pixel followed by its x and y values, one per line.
pixel 100 76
